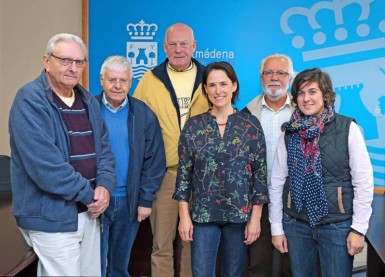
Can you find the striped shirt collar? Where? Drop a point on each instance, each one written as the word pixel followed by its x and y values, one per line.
pixel 110 107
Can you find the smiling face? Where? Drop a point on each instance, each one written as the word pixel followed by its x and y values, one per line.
pixel 179 46
pixel 64 78
pixel 115 86
pixel 220 89
pixel 310 99
pixel 273 84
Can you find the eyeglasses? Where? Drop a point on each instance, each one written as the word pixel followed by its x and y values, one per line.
pixel 172 45
pixel 68 61
pixel 122 82
pixel 270 73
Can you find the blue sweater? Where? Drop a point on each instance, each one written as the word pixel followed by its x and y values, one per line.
pixel 147 161
pixel 45 186
pixel 118 134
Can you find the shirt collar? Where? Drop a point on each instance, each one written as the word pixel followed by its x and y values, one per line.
pixel 110 107
pixel 287 103
pixel 191 66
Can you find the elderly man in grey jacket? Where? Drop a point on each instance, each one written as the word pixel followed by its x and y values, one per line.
pixel 62 167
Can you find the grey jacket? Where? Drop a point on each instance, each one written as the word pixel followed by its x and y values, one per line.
pixel 45 186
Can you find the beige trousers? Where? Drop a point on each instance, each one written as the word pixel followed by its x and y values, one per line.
pixel 164 220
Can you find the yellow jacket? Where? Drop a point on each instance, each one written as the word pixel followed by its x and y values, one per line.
pixel 155 89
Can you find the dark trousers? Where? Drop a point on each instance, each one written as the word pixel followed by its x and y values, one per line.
pixel 204 249
pixel 117 238
pixel 262 259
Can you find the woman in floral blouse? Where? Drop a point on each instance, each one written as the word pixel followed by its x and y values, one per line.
pixel 221 181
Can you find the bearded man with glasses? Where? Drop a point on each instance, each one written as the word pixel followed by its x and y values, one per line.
pixel 62 166
pixel 273 107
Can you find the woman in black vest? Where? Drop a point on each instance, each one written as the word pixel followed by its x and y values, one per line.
pixel 322 183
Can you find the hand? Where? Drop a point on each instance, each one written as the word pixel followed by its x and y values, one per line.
pixel 280 242
pixel 185 228
pixel 101 202
pixel 143 213
pixel 252 231
pixel 355 243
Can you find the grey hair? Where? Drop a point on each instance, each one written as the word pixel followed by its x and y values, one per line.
pixel 282 56
pixel 116 63
pixel 65 37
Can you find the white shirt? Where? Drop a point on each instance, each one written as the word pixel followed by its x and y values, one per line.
pixel 271 122
pixel 362 179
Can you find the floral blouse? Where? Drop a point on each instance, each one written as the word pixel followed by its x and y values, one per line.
pixel 222 178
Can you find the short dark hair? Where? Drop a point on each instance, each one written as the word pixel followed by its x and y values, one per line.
pixel 230 72
pixel 310 76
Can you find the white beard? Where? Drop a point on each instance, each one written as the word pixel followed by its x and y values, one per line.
pixel 274 96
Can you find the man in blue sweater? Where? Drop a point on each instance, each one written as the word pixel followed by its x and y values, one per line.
pixel 62 167
pixel 137 144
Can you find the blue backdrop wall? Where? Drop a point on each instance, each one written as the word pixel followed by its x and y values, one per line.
pixel 346 38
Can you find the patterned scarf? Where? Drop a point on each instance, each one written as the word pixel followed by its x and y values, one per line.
pixel 304 162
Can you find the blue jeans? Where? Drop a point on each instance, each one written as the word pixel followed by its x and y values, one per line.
pixel 117 238
pixel 204 248
pixel 328 241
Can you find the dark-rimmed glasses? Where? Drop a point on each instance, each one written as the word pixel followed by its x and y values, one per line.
pixel 68 61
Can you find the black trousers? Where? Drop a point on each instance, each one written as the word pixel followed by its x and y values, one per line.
pixel 262 259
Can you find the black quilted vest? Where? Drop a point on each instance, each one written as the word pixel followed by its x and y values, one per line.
pixel 335 172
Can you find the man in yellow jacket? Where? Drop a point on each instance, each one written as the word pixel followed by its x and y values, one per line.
pixel 173 92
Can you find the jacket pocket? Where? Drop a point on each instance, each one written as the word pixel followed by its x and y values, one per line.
pixel 339 200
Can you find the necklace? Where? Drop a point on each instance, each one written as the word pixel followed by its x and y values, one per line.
pixel 223 124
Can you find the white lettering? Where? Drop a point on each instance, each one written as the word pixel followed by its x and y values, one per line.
pixel 214 54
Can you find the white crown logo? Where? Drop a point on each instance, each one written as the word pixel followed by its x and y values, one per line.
pixel 342 31
pixel 142 30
